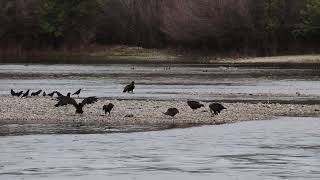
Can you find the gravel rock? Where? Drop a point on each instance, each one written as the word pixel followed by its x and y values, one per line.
pixel 40 110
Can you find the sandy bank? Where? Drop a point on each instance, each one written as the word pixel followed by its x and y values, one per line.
pixel 42 111
pixel 297 59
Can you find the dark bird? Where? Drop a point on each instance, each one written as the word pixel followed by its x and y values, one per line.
pixel 15 93
pixel 51 94
pixel 194 105
pixel 44 93
pixel 129 88
pixel 69 94
pixel 77 92
pixel 216 108
pixel 65 100
pixel 26 93
pixel 19 93
pixel 108 108
pixel 171 112
pixel 58 93
pixel 36 93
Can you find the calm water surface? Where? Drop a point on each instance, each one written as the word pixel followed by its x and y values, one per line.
pixel 288 148
pixel 155 81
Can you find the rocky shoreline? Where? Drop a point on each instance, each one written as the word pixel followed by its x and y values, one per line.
pixel 40 110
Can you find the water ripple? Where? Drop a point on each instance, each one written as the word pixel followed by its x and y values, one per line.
pixel 236 151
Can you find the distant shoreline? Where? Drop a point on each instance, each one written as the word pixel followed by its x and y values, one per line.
pixel 138 55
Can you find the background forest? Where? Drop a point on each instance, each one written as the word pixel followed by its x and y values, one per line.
pixel 259 27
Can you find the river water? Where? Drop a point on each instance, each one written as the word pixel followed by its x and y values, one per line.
pixel 286 148
pixel 181 81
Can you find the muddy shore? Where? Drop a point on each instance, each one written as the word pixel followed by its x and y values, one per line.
pixel 149 113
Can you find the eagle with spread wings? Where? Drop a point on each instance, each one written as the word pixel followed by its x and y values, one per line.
pixel 65 100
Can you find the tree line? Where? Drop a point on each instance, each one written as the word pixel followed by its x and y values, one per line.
pixel 261 27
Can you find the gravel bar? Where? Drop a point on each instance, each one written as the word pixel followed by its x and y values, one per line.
pixel 41 110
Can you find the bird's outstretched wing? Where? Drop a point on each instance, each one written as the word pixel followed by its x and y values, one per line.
pixel 89 100
pixel 65 100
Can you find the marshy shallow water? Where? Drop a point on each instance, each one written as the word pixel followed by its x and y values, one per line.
pixel 286 148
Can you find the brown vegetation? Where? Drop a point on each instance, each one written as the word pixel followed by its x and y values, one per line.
pixel 256 27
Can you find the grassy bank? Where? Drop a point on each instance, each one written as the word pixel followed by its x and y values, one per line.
pixel 93 55
pixel 125 54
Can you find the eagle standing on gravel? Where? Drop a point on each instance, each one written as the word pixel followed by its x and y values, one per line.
pixel 194 105
pixel 65 100
pixel 216 108
pixel 36 93
pixel 77 92
pixel 26 93
pixel 108 108
pixel 129 88
pixel 58 93
pixel 16 93
pixel 51 94
pixel 171 112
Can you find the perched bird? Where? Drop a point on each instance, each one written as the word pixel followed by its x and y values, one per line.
pixel 19 93
pixel 58 93
pixel 194 105
pixel 65 100
pixel 77 92
pixel 108 108
pixel 69 94
pixel 51 94
pixel 44 93
pixel 129 88
pixel 216 108
pixel 36 93
pixel 26 93
pixel 172 112
pixel 15 93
